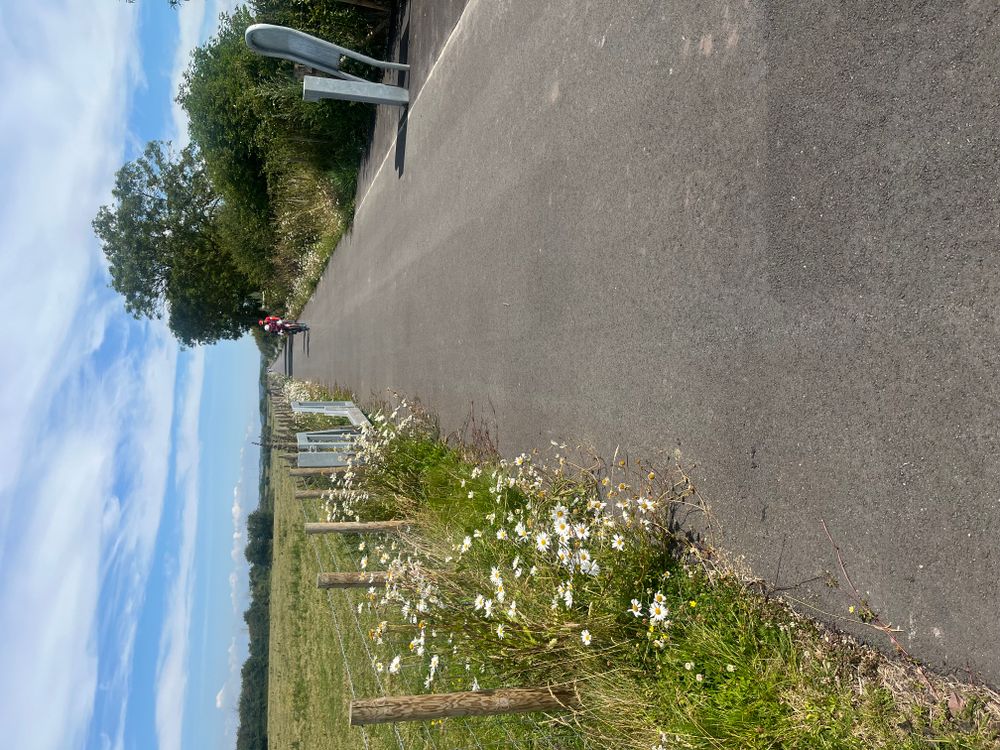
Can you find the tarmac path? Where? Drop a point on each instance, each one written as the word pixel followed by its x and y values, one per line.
pixel 762 232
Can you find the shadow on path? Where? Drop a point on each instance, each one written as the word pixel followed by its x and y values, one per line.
pixel 402 79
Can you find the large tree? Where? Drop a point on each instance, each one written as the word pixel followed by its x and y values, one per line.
pixel 246 111
pixel 159 236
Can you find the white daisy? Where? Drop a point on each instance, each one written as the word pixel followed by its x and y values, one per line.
pixel 657 612
pixel 562 528
pixel 565 556
pixel 542 541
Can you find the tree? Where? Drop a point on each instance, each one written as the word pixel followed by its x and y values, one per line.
pixel 247 115
pixel 163 253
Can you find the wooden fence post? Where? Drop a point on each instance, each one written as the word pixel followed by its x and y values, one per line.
pixel 351 580
pixel 356 527
pixel 446 705
pixel 303 494
pixel 323 471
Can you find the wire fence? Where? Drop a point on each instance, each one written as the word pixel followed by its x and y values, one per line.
pixel 351 625
pixel 351 622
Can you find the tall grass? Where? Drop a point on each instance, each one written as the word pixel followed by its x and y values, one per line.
pixel 578 573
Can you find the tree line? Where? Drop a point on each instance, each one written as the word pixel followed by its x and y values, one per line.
pixel 252 732
pixel 210 234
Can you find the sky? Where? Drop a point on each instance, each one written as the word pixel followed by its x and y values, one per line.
pixel 130 465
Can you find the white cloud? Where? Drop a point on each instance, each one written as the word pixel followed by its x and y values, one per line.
pixel 80 539
pixel 228 695
pixel 76 534
pixel 47 620
pixel 89 411
pixel 172 667
pixel 66 70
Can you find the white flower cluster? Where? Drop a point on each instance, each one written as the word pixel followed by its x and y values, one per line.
pixel 533 533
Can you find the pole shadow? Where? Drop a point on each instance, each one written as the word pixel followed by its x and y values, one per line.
pixel 402 80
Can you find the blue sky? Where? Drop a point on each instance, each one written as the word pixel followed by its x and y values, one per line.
pixel 130 466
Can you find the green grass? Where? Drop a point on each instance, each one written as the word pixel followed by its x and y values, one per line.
pixel 310 681
pixel 727 668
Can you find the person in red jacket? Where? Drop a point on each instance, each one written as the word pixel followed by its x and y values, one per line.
pixel 272 324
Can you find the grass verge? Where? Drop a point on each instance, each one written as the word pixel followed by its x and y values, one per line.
pixel 570 573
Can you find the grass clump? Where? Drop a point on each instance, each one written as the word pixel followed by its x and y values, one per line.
pixel 580 574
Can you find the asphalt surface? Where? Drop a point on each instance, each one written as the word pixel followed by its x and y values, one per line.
pixel 762 232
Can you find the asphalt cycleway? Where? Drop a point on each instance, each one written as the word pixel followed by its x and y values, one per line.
pixel 762 232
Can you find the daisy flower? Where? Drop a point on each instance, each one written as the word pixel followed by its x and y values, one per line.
pixel 618 542
pixel 636 608
pixel 542 541
pixel 565 556
pixel 394 666
pixel 657 612
pixel 585 637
